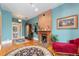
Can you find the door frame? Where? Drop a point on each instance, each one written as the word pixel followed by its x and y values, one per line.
pixel 16 24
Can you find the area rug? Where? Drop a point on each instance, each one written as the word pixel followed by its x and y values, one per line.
pixel 30 51
pixel 19 41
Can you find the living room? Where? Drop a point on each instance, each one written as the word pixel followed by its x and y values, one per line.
pixel 49 26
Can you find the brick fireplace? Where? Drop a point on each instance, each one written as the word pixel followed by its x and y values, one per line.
pixel 44 37
pixel 45 27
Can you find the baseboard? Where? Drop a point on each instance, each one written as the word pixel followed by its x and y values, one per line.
pixel 6 43
pixel 35 38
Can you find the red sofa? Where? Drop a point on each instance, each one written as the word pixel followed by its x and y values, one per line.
pixel 68 48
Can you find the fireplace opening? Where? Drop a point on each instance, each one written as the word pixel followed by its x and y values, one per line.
pixel 44 38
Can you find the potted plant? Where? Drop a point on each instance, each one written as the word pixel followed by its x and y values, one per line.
pixel 54 38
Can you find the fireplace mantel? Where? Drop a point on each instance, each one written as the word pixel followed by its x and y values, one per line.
pixel 41 32
pixel 44 31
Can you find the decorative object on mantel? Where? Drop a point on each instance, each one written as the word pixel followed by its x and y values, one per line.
pixel 67 22
pixel 46 28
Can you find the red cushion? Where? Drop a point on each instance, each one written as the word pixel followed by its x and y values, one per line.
pixel 72 41
pixel 64 47
pixel 77 41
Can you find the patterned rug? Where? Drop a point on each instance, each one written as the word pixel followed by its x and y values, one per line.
pixel 30 51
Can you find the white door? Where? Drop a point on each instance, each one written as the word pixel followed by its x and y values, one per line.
pixel 17 31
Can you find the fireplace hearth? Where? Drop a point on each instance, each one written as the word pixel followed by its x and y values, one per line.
pixel 44 37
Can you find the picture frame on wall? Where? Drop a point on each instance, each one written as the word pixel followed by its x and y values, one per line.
pixel 67 22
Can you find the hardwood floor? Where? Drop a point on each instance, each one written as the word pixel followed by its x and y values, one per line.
pixel 6 50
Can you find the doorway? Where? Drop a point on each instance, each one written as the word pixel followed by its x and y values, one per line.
pixel 17 30
pixel 29 32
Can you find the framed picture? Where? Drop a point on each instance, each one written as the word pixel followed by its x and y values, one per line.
pixel 67 22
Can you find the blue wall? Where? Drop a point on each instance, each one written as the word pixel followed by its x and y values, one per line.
pixel 0 11
pixel 64 35
pixel 23 27
pixel 6 25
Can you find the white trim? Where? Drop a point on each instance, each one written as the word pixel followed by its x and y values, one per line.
pixel 15 24
pixel 6 42
pixel 0 47
pixel 35 38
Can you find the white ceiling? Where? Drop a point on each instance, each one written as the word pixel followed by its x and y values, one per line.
pixel 26 9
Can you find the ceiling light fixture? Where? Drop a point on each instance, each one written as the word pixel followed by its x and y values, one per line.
pixel 36 9
pixel 33 5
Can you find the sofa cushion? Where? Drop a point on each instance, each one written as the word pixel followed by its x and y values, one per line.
pixel 72 41
pixel 75 41
pixel 64 47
